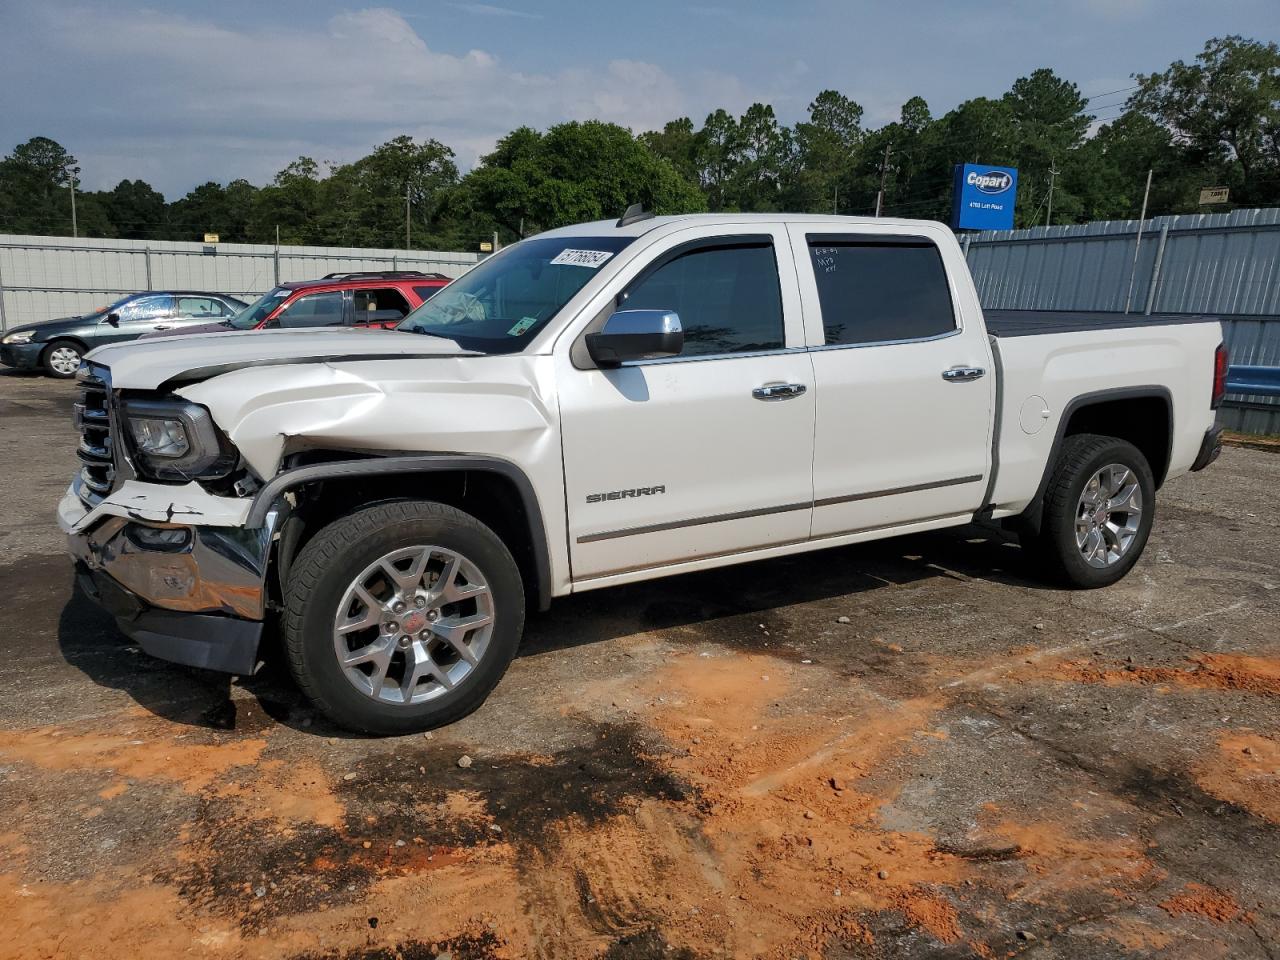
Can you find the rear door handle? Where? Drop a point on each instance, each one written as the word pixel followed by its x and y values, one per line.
pixel 962 374
pixel 779 391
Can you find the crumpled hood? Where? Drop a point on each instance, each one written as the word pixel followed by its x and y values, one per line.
pixel 146 364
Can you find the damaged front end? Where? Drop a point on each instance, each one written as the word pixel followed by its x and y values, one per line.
pixel 173 562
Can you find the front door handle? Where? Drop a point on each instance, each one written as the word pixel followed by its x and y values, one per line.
pixel 962 374
pixel 162 326
pixel 779 391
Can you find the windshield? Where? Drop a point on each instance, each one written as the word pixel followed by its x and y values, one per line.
pixel 259 310
pixel 500 304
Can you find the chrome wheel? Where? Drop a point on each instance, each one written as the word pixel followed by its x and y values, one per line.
pixel 1108 515
pixel 64 360
pixel 413 625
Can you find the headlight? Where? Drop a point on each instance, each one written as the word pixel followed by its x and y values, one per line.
pixel 176 440
pixel 21 336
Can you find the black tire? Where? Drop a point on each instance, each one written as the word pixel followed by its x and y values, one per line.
pixel 61 346
pixel 327 565
pixel 1055 547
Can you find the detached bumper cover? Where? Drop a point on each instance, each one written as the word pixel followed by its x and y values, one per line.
pixel 1210 448
pixel 190 594
pixel 227 644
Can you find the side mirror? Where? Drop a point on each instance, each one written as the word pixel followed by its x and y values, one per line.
pixel 113 319
pixel 636 335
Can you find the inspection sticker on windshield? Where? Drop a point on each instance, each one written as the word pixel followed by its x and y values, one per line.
pixel 582 258
pixel 523 324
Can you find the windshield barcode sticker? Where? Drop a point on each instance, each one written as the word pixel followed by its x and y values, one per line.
pixel 582 258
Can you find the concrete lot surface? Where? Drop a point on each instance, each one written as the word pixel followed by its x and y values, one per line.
pixel 905 749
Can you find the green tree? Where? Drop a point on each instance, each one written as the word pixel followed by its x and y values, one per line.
pixel 34 188
pixel 136 210
pixel 574 172
pixel 826 149
pixel 717 159
pixel 678 144
pixel 1225 110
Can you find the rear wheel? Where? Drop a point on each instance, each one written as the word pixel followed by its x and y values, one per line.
pixel 402 617
pixel 1098 512
pixel 62 358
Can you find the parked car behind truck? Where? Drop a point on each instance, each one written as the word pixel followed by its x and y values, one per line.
pixel 602 404
pixel 378 299
pixel 57 346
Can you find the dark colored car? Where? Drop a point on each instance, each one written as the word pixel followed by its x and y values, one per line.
pixel 376 299
pixel 58 345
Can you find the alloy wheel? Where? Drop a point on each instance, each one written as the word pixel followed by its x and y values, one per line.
pixel 413 625
pixel 1108 515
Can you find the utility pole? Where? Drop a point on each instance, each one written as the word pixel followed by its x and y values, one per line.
pixel 71 174
pixel 406 215
pixel 1053 175
pixel 835 199
pixel 884 172
pixel 1137 245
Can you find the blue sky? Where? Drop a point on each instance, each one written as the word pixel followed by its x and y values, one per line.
pixel 182 92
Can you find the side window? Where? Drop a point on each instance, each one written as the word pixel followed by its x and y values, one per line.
pixel 728 298
pixel 379 306
pixel 426 293
pixel 200 307
pixel 315 310
pixel 872 291
pixel 146 308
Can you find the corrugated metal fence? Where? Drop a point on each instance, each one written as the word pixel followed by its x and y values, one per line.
pixel 1226 264
pixel 46 277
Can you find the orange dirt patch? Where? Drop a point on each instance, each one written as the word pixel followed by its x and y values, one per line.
pixel 298 791
pixel 1202 901
pixel 150 752
pixel 1245 771
pixel 1210 671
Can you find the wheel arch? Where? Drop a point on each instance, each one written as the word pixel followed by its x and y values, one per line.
pixel 57 338
pixel 494 490
pixel 1140 415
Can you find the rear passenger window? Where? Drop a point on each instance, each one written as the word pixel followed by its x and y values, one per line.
pixel 379 306
pixel 873 291
pixel 728 298
pixel 426 293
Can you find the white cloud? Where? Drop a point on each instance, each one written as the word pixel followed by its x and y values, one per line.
pixel 490 10
pixel 179 100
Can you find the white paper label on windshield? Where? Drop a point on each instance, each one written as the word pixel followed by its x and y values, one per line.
pixel 582 258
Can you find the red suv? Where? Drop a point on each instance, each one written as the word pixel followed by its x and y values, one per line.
pixel 380 299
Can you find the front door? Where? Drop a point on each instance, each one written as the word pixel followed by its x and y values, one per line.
pixel 689 458
pixel 139 316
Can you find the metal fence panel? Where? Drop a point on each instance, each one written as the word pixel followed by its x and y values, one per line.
pixel 46 277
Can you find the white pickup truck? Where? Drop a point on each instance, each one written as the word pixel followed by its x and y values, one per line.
pixel 600 404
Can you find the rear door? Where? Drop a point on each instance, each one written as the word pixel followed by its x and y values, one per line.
pixel 193 310
pixel 685 459
pixel 382 307
pixel 905 385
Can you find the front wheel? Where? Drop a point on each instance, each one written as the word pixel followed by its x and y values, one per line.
pixel 402 616
pixel 1098 512
pixel 61 359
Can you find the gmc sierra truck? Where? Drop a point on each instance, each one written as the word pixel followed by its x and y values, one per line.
pixel 597 405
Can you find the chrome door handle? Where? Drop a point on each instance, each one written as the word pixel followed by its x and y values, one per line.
pixel 779 391
pixel 962 374
pixel 162 326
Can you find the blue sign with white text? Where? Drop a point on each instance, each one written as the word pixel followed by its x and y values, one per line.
pixel 983 197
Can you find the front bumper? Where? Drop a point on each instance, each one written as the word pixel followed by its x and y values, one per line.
pixel 1210 448
pixel 191 594
pixel 21 356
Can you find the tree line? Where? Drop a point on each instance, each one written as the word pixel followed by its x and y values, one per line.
pixel 1212 122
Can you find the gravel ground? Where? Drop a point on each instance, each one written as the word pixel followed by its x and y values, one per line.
pixel 903 749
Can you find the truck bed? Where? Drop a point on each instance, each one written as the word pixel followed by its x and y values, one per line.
pixel 1025 323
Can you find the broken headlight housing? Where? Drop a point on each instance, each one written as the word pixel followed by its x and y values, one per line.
pixel 176 440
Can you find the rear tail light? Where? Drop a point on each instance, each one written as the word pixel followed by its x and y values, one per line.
pixel 1219 376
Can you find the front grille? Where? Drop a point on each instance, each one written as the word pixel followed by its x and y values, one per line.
pixel 93 419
